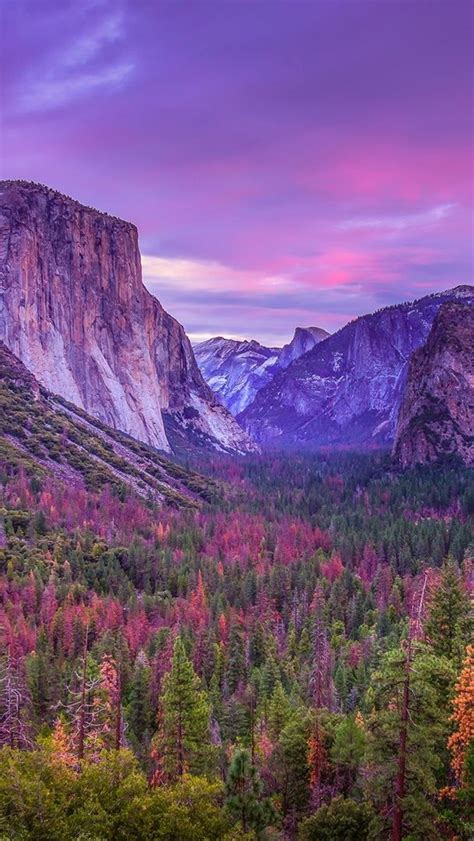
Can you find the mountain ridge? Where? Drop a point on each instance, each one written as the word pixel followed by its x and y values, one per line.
pixel 347 390
pixel 74 309
pixel 238 369
pixel 43 434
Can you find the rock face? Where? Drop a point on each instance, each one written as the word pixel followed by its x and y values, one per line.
pixel 437 413
pixel 74 310
pixel 347 390
pixel 305 339
pixel 237 371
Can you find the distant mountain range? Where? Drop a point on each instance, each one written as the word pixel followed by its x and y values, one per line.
pixel 320 390
pixel 237 371
pixel 347 390
pixel 103 352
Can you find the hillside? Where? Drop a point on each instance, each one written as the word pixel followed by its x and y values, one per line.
pixel 75 311
pixel 45 435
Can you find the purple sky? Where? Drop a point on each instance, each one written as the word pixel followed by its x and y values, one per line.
pixel 287 163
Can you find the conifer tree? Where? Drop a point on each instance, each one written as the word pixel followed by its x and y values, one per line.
pixel 405 731
pixel 347 750
pixel 449 623
pixel 183 738
pixel 139 712
pixel 244 794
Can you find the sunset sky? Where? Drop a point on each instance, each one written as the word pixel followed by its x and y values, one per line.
pixel 287 163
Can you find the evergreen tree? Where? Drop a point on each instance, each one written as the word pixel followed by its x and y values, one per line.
pixel 347 750
pixel 183 738
pixel 341 820
pixel 139 710
pixel 244 794
pixel 236 671
pixel 406 728
pixel 449 623
pixel 279 710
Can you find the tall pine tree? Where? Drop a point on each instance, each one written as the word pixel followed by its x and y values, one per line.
pixel 183 737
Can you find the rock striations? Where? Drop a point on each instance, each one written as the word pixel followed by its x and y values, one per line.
pixel 74 309
pixel 437 413
pixel 347 390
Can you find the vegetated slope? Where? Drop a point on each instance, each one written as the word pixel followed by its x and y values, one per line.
pixel 437 414
pixel 348 389
pixel 74 309
pixel 44 434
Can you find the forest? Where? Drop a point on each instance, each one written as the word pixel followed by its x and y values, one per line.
pixel 293 659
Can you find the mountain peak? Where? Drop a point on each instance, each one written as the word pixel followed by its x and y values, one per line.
pixel 304 339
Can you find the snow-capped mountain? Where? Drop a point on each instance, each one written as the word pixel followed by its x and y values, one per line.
pixel 237 370
pixel 347 390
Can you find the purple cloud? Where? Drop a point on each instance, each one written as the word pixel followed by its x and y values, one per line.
pixel 313 158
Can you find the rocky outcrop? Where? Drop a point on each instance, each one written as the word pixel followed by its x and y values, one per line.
pixel 347 390
pixel 74 309
pixel 437 413
pixel 304 339
pixel 235 370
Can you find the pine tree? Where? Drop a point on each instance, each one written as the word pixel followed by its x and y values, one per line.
pixel 449 623
pixel 405 731
pixel 347 750
pixel 236 671
pixel 183 738
pixel 139 713
pixel 279 710
pixel 244 794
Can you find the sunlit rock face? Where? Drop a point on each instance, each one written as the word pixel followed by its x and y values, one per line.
pixel 347 390
pixel 437 413
pixel 74 309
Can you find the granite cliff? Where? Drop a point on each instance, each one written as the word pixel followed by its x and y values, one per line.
pixel 304 339
pixel 74 310
pixel 437 413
